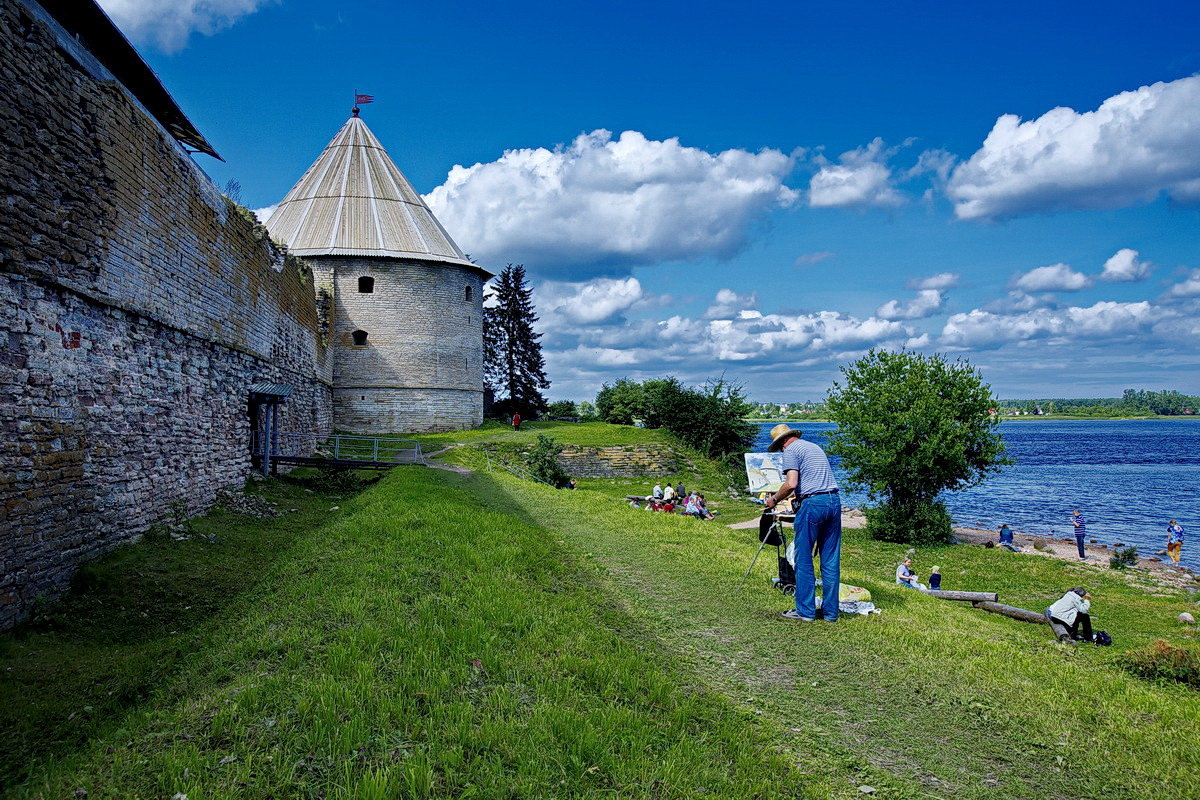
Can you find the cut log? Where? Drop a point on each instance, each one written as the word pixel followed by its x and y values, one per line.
pixel 969 597
pixel 1012 611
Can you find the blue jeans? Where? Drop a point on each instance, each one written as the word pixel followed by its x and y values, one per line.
pixel 1079 544
pixel 819 525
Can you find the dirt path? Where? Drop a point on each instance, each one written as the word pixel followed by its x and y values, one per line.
pixel 448 467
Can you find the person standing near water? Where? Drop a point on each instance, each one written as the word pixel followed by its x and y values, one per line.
pixel 1080 531
pixel 818 523
pixel 1174 540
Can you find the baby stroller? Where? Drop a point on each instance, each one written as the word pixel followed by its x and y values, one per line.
pixel 770 532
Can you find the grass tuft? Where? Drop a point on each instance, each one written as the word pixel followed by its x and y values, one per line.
pixel 1161 660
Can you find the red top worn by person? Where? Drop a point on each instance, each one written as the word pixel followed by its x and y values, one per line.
pixel 516 422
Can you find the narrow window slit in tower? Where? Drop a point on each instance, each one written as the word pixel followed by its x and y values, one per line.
pixel 467 293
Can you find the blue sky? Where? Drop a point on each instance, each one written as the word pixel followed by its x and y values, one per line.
pixel 760 190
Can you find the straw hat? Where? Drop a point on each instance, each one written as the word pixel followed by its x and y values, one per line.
pixel 779 433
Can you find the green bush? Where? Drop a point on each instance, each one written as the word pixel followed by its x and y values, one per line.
pixel 1123 557
pixel 710 419
pixel 909 428
pixel 562 408
pixel 916 523
pixel 620 403
pixel 338 479
pixel 542 461
pixel 1160 660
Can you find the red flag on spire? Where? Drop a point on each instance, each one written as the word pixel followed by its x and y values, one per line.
pixel 359 99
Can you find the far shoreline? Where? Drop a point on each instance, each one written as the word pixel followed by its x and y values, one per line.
pixel 1021 418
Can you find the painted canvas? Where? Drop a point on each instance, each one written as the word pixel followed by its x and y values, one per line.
pixel 764 472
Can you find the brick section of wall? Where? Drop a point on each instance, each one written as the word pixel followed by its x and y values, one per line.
pixel 634 461
pixel 421 367
pixel 618 461
pixel 137 306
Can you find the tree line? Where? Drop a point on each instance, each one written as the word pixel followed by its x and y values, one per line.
pixel 1133 403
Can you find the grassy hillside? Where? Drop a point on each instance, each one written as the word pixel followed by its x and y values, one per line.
pixel 931 698
pixel 421 642
pixel 479 636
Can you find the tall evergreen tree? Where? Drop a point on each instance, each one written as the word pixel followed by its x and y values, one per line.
pixel 513 362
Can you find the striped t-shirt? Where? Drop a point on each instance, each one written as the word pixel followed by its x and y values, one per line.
pixel 812 465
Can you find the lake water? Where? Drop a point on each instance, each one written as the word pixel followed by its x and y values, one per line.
pixel 1128 477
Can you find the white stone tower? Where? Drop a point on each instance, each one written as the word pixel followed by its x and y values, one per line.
pixel 406 306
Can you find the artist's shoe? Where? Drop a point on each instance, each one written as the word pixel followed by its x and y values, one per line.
pixel 791 613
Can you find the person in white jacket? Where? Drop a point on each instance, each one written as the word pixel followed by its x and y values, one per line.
pixel 1070 612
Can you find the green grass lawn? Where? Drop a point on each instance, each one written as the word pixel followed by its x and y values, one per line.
pixel 931 698
pixel 419 641
pixel 480 636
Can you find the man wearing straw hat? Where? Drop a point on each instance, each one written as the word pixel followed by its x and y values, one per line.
pixel 818 523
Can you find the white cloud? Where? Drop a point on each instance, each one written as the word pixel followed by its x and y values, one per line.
pixel 1135 146
pixel 1103 321
pixel 819 336
pixel 604 356
pixel 730 304
pixel 590 302
pixel 167 24
pixel 939 163
pixel 943 280
pixel 1018 301
pixel 1125 266
pixel 860 178
pixel 808 259
pixel 605 203
pixel 927 303
pixel 1052 278
pixel 1187 288
pixel 263 214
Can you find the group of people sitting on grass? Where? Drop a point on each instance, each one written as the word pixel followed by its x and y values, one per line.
pixel 676 500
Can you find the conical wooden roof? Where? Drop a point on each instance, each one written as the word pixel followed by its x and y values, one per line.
pixel 353 201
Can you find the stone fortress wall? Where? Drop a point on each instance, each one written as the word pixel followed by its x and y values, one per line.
pixel 420 365
pixel 137 306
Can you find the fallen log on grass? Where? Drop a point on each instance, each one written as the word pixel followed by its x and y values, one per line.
pixel 969 597
pixel 1012 611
